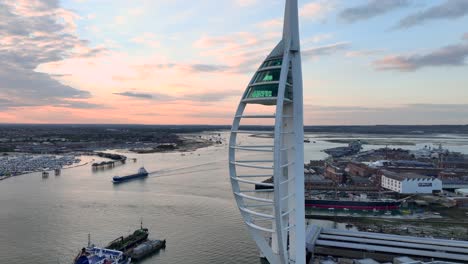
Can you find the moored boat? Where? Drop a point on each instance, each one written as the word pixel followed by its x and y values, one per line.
pixel 146 248
pixel 125 243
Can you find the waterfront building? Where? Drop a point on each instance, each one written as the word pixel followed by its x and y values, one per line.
pixel 453 160
pixel 410 183
pixel 359 169
pixel 314 180
pixel 275 219
pixel 334 173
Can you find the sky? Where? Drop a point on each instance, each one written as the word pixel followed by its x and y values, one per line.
pixel 365 62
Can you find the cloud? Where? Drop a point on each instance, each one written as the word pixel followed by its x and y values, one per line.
pixel 78 105
pixel 5 104
pixel 371 9
pixel 311 11
pixel 33 33
pixel 325 50
pixel 239 52
pixel 211 96
pixel 242 51
pixel 136 95
pixel 450 9
pixel 405 114
pixel 327 108
pixel 271 24
pixel 208 96
pixel 208 68
pixel 245 3
pixel 453 55
pixel 148 39
pixel 316 10
pixel 363 53
pixel 317 38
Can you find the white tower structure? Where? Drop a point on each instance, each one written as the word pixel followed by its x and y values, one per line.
pixel 275 215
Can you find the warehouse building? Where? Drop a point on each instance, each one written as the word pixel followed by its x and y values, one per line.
pixel 410 182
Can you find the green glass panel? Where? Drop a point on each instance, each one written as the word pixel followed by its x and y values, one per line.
pixel 268 90
pixel 271 63
pixel 267 76
pixel 262 91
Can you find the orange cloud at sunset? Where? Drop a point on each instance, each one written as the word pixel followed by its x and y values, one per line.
pixel 154 62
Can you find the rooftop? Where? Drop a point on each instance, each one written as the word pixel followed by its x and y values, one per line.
pixel 404 176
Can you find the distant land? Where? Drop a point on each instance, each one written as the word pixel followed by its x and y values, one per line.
pixel 374 129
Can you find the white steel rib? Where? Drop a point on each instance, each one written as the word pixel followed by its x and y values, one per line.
pixel 275 218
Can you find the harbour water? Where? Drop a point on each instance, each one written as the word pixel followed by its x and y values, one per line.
pixel 186 199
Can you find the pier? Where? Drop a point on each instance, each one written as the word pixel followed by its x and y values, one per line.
pixel 104 164
pixel 382 247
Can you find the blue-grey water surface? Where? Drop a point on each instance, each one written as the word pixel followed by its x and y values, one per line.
pixel 188 201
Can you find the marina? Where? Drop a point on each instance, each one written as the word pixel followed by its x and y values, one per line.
pixel 16 164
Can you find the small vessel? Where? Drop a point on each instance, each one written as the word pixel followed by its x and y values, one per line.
pixel 96 255
pixel 45 174
pixel 142 173
pixel 146 248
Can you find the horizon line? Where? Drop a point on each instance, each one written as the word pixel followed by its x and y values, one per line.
pixel 306 125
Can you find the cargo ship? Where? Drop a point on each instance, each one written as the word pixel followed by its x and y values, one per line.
pixel 142 173
pixel 346 204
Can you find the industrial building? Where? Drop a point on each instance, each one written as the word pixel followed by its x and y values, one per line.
pixel 410 182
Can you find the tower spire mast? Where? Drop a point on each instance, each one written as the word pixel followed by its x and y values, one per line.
pixel 279 228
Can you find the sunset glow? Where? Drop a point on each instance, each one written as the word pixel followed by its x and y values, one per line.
pixel 188 62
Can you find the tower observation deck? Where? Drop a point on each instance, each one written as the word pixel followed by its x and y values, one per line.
pixel 274 217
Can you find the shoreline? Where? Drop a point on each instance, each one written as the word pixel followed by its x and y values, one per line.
pixel 187 145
